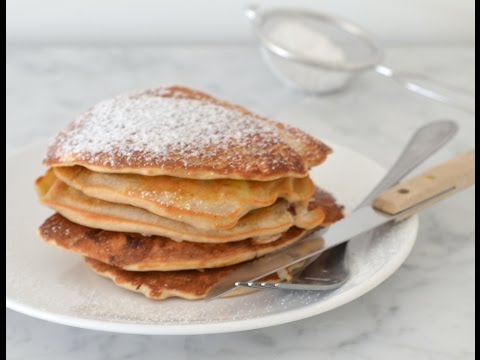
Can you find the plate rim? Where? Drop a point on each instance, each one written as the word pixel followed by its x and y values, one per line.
pixel 225 326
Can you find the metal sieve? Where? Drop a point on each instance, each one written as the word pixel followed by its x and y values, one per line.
pixel 361 53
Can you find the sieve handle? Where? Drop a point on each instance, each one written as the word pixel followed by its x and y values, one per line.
pixel 433 89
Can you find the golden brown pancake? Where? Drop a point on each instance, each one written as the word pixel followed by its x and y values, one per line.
pixel 325 201
pixel 187 284
pixel 263 225
pixel 205 204
pixel 180 132
pixel 142 253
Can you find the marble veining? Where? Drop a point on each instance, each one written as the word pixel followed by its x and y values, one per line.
pixel 424 311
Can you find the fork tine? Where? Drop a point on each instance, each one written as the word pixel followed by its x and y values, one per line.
pixel 256 285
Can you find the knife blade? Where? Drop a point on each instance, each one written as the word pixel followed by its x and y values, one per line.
pixel 397 203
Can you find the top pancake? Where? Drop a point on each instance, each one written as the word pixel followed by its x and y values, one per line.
pixel 180 132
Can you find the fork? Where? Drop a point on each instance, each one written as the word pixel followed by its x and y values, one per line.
pixel 330 270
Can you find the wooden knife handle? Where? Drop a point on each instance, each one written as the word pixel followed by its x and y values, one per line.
pixel 445 179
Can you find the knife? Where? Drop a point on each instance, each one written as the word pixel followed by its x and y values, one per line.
pixel 393 205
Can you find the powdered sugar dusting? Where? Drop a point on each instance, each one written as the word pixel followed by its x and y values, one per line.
pixel 162 129
pixel 158 125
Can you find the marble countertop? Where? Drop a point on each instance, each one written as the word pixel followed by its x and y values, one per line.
pixel 424 311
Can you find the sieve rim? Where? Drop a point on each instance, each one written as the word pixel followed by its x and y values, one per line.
pixel 260 18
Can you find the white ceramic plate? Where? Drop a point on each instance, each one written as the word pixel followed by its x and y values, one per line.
pixel 54 285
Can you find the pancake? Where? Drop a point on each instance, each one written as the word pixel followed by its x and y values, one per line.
pixel 205 204
pixel 325 201
pixel 142 253
pixel 187 284
pixel 180 132
pixel 262 225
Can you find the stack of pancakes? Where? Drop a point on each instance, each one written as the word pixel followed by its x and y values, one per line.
pixel 168 190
